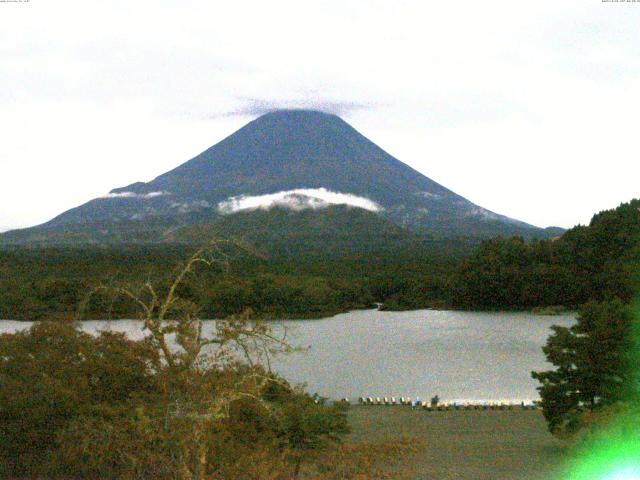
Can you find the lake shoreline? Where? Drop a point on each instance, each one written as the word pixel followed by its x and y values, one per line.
pixel 370 353
pixel 540 311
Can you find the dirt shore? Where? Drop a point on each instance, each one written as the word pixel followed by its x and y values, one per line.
pixel 461 445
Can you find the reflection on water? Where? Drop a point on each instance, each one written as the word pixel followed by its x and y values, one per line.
pixel 457 355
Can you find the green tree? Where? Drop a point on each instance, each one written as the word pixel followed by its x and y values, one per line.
pixel 53 374
pixel 305 423
pixel 181 404
pixel 592 362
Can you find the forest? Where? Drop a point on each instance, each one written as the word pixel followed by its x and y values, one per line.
pixel 176 404
pixel 590 262
pixel 73 405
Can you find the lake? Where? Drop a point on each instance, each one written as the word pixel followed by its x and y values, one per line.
pixel 456 355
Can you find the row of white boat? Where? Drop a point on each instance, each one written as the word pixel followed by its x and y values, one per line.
pixel 436 404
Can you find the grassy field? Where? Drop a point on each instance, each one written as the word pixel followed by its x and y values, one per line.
pixel 460 445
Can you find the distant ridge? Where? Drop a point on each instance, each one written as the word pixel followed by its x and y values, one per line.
pixel 300 158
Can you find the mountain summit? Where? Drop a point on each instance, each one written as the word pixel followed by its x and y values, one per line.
pixel 295 159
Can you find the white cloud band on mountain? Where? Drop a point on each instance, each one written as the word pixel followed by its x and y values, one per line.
pixel 298 199
pixel 134 195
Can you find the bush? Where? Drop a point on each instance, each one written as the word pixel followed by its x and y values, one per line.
pixel 53 375
pixel 177 404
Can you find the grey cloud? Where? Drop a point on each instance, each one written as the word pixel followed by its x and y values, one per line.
pixel 259 106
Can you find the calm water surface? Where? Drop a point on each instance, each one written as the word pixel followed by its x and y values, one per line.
pixel 457 355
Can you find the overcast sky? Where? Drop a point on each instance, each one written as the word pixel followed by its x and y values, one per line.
pixel 528 108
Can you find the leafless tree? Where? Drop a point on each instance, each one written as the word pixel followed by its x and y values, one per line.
pixel 239 343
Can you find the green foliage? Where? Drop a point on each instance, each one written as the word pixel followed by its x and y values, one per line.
pixel 303 274
pixel 74 405
pixel 52 375
pixel 181 403
pixel 587 263
pixel 50 282
pixel 593 365
pixel 509 273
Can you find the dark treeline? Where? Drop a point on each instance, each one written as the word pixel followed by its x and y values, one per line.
pixel 588 263
pixel 591 394
pixel 284 278
pixel 53 281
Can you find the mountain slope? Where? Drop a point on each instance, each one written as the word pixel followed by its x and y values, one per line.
pixel 306 155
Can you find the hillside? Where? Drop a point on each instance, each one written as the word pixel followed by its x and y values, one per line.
pixel 589 262
pixel 294 159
